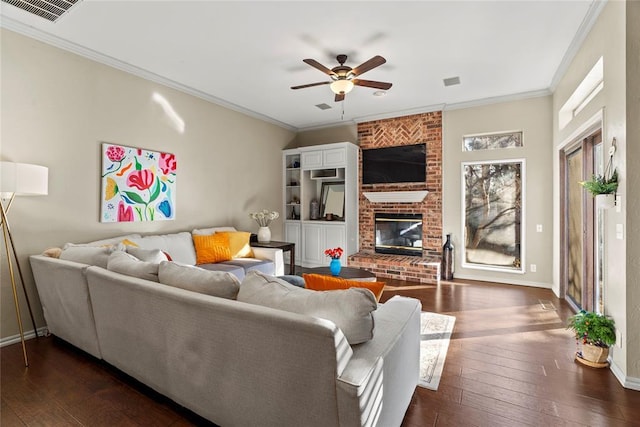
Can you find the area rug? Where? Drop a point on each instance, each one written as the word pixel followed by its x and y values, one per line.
pixel 435 333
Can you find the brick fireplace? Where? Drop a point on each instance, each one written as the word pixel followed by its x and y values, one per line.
pixel 407 130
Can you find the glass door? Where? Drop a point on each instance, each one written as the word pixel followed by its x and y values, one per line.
pixel 582 225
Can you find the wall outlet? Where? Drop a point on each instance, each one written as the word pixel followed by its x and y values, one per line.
pixel 539 228
pixel 618 339
pixel 533 268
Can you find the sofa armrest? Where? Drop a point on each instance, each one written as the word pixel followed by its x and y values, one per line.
pixel 383 373
pixel 271 254
pixel 64 295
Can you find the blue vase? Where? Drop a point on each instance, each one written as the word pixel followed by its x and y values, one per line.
pixel 335 266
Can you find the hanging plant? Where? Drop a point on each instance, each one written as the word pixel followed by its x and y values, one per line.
pixel 603 184
pixel 599 184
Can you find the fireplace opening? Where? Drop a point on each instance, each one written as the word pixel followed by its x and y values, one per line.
pixel 398 234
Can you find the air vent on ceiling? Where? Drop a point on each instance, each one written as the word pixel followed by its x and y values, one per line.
pixel 48 9
pixel 452 81
pixel 323 106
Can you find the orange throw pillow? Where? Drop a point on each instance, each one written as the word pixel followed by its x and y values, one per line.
pixel 212 248
pixel 320 282
pixel 238 243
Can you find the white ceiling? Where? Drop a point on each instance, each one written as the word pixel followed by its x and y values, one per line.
pixel 246 54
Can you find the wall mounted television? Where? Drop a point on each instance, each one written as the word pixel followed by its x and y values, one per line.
pixel 404 163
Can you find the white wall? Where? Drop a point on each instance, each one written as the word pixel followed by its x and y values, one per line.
pixel 57 109
pixel 533 118
pixel 607 39
pixel 326 135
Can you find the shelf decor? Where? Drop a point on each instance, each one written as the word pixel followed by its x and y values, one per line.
pixel 264 218
pixel 334 265
pixel 137 184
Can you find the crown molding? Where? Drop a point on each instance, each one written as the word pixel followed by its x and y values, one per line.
pixel 34 33
pixel 498 99
pixel 587 24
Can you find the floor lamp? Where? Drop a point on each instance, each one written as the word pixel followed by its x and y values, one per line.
pixel 19 179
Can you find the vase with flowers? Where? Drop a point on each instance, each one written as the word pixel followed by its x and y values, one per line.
pixel 334 265
pixel 264 218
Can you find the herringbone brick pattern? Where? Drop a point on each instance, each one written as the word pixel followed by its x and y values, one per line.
pixel 406 130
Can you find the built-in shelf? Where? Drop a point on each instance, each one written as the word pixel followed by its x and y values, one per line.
pixel 396 196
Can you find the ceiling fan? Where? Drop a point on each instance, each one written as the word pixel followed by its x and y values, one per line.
pixel 344 78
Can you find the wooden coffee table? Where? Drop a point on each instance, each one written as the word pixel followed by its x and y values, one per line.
pixel 349 273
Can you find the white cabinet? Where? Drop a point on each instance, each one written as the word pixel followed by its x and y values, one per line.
pixel 334 158
pixel 316 237
pixel 292 234
pixel 306 170
pixel 312 159
pixel 327 158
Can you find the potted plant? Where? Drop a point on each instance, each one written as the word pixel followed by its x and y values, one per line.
pixel 603 188
pixel 596 332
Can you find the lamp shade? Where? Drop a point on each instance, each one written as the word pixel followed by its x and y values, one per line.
pixel 23 179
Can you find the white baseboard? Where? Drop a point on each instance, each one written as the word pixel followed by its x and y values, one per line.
pixel 627 382
pixel 504 281
pixel 27 336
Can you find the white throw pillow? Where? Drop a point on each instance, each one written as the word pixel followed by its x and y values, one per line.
pixel 350 309
pixel 179 246
pixel 215 283
pixel 85 254
pixel 124 263
pixel 155 256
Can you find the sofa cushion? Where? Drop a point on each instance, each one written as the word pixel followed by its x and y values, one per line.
pixel 124 263
pixel 238 243
pixel 91 255
pixel 229 268
pixel 293 279
pixel 322 282
pixel 179 246
pixel 155 256
pixel 215 283
pixel 351 309
pixel 250 264
pixel 211 248
pixel 114 240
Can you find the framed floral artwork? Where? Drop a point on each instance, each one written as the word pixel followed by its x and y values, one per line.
pixel 137 184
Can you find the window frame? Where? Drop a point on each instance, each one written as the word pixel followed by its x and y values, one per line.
pixel 463 192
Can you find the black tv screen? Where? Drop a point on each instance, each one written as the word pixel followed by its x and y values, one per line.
pixel 404 163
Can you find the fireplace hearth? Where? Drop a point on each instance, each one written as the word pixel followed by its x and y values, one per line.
pixel 398 234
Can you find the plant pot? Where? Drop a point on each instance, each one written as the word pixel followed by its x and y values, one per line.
pixel 605 201
pixel 595 354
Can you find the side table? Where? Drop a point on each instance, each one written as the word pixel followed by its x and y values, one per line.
pixel 285 246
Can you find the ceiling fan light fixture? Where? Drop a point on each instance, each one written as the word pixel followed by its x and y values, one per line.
pixel 341 86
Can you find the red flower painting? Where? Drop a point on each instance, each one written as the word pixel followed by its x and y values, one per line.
pixel 142 179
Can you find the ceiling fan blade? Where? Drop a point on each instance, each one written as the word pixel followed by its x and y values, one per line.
pixel 374 62
pixel 310 85
pixel 319 66
pixel 373 84
pixel 339 97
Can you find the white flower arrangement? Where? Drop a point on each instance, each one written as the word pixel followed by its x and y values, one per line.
pixel 264 217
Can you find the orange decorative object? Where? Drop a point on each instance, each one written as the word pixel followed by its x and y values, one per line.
pixel 320 282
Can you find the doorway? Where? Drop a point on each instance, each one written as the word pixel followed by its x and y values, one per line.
pixel 581 225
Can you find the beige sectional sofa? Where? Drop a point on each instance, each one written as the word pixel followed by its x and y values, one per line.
pixel 256 352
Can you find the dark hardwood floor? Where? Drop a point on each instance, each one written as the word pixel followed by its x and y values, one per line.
pixel 510 363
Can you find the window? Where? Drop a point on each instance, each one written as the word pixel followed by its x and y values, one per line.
pixel 492 141
pixel 493 195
